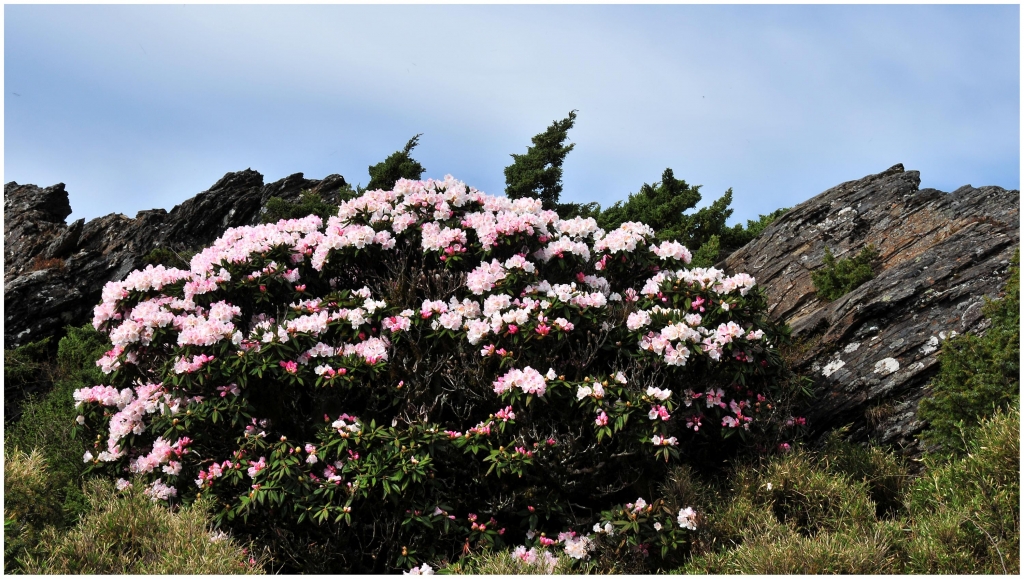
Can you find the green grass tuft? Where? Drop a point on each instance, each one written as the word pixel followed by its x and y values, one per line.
pixel 127 533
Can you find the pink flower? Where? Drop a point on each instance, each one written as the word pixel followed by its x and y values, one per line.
pixel 602 419
pixel 289 366
pixel 658 411
pixel 506 414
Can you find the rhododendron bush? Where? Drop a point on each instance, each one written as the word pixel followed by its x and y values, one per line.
pixel 432 371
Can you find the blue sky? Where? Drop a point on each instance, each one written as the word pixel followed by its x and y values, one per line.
pixel 136 107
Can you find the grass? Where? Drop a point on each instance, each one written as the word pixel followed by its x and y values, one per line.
pixel 130 534
pixel 849 509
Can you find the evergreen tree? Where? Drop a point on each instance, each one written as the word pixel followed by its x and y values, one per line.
pixel 538 173
pixel 662 206
pixel 399 165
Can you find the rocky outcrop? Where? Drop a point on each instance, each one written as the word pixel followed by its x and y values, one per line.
pixel 54 272
pixel 872 352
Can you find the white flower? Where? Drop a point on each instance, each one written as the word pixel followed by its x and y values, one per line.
pixel 578 547
pixel 551 374
pixel 87 457
pixel 687 518
pixel 657 526
pixel 769 486
pixel 421 570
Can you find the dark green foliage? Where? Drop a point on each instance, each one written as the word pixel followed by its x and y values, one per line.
pixel 979 374
pixel 27 370
pixel 538 173
pixel 708 254
pixel 168 257
pixel 663 206
pixel 583 210
pixel 46 420
pixel 399 165
pixel 309 203
pixel 754 229
pixel 838 278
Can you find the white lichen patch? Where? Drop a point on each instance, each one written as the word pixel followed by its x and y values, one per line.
pixel 886 366
pixel 851 347
pixel 832 367
pixel 930 346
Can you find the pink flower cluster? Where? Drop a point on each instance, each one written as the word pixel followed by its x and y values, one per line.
pixel 528 380
pixel 162 453
pixel 184 365
pixel 535 557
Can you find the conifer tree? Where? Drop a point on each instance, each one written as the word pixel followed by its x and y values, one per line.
pixel 399 165
pixel 538 173
pixel 662 206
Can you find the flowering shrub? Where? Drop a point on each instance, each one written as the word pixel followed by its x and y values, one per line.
pixel 432 371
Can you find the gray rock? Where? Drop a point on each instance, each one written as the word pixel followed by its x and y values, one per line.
pixel 872 352
pixel 54 273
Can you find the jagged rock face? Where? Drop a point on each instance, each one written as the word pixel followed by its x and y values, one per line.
pixel 54 272
pixel 873 351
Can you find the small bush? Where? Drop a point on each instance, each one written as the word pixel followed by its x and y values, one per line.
pixel 967 512
pixel 28 369
pixel 798 513
pixel 884 473
pixel 809 499
pixel 978 374
pixel 130 534
pixel 794 554
pixel 838 278
pixel 30 505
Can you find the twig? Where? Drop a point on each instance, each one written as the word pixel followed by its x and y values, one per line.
pixel 993 543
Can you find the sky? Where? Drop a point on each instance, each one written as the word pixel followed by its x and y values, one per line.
pixel 141 107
